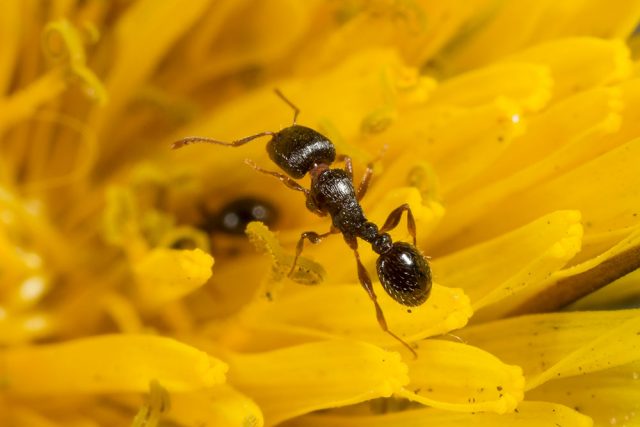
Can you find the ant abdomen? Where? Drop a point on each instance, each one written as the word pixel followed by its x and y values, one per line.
pixel 405 274
pixel 297 149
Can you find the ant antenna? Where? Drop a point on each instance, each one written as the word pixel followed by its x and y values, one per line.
pixel 296 110
pixel 203 139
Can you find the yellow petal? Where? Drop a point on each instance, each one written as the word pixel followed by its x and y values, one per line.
pixel 221 406
pixel 165 275
pixel 426 213
pixel 109 363
pixel 23 416
pixel 485 41
pixel 529 24
pixel 25 327
pixel 269 31
pixel 459 377
pixel 26 101
pixel 10 29
pixel 435 135
pixel 558 345
pixel 415 29
pixel 529 255
pixel 463 165
pixel 610 397
pixel 528 414
pixel 569 284
pixel 561 124
pixel 121 222
pixel 377 80
pixel 591 17
pixel 78 164
pixel 122 312
pixel 347 311
pixel 630 91
pixel 142 45
pixel 445 22
pixel 552 145
pixel 226 300
pixel 296 380
pixel 611 176
pixel 579 63
pixel 528 85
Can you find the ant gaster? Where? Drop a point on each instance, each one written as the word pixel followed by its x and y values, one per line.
pixel 404 273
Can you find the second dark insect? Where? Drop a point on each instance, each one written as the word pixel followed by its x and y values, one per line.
pixel 234 216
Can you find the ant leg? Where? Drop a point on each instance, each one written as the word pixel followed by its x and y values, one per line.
pixel 394 218
pixel 365 281
pixel 366 178
pixel 368 173
pixel 201 139
pixel 364 182
pixel 314 238
pixel 348 165
pixel 290 183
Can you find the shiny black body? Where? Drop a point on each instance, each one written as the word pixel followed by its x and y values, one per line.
pixel 404 274
pixel 332 192
pixel 234 216
pixel 297 148
pixel 403 271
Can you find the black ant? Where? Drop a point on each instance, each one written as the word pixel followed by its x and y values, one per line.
pixel 404 273
pixel 235 215
pixel 232 220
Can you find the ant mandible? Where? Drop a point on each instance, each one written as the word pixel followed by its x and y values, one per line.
pixel 404 273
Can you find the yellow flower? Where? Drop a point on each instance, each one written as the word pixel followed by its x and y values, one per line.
pixel 510 129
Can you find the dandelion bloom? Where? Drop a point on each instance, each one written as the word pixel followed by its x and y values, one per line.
pixel 511 129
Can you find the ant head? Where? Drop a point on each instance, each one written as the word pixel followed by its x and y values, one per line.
pixel 298 149
pixel 405 274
